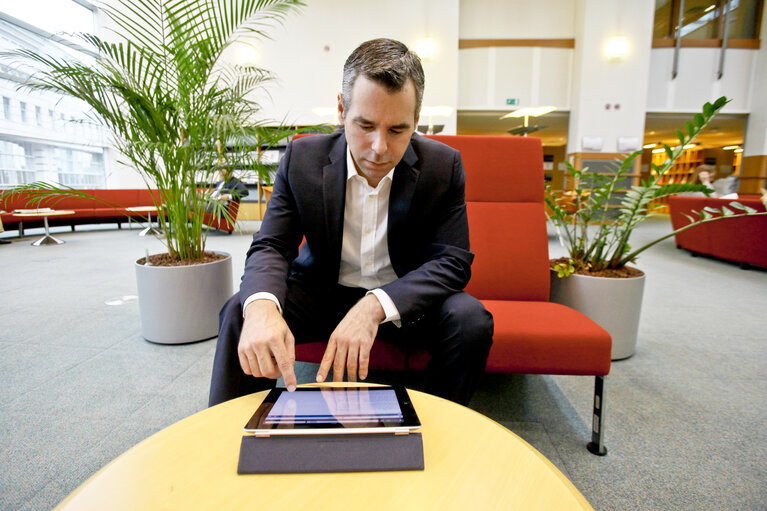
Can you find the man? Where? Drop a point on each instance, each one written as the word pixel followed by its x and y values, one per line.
pixel 227 188
pixel 385 253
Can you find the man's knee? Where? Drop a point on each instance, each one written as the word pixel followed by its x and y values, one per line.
pixel 467 315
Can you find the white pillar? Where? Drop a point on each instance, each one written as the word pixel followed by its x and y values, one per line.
pixel 753 175
pixel 610 97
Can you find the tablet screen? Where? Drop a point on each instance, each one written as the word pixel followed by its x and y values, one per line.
pixel 337 408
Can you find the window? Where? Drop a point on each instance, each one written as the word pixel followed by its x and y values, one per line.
pixel 702 22
pixel 23 108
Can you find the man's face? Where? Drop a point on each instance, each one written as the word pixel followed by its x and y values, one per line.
pixel 378 126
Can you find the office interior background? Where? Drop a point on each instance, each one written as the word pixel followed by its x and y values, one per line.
pixel 617 80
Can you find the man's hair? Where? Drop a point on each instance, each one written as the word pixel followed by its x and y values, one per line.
pixel 387 62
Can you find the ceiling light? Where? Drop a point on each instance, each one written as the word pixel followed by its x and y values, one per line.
pixel 659 150
pixel 738 150
pixel 690 146
pixel 649 146
pixel 730 147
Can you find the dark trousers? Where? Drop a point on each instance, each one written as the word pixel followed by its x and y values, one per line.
pixel 457 333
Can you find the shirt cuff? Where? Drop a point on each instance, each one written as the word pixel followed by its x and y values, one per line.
pixel 263 295
pixel 392 314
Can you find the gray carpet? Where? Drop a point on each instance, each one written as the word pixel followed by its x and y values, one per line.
pixel 685 415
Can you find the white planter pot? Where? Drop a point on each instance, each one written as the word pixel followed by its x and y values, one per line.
pixel 180 304
pixel 614 304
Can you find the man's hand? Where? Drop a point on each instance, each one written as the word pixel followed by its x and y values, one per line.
pixel 267 347
pixel 350 343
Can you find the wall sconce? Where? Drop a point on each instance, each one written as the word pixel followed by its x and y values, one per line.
pixel 617 48
pixel 426 48
pixel 245 54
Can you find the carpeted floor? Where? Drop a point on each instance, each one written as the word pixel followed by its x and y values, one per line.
pixel 685 415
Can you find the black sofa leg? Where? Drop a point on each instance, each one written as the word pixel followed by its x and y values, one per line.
pixel 597 444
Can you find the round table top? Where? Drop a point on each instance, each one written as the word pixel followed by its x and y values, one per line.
pixel 43 212
pixel 471 462
pixel 142 208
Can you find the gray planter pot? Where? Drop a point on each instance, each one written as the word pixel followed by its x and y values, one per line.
pixel 614 304
pixel 180 304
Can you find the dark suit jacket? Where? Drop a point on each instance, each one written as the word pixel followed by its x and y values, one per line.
pixel 428 232
pixel 234 187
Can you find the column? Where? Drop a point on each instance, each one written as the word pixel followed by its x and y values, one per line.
pixel 609 94
pixel 753 174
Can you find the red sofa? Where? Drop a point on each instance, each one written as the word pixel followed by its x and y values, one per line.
pixel 510 274
pixel 741 240
pixel 109 208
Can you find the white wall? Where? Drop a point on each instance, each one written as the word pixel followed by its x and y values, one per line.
pixel 598 82
pixel 696 81
pixel 308 53
pixel 517 19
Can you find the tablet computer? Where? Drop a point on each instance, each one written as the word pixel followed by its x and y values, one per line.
pixel 323 410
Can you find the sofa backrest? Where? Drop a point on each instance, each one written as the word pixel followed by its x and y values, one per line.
pixel 507 221
pixel 114 198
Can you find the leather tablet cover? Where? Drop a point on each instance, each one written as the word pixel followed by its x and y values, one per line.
pixel 278 454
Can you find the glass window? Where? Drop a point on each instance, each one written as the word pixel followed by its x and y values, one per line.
pixel 61 17
pixel 23 109
pixel 663 26
pixel 700 19
pixel 704 19
pixel 742 19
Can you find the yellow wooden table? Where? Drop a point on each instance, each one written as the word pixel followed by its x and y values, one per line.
pixel 471 462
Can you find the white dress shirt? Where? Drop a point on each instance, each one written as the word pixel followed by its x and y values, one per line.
pixel 365 259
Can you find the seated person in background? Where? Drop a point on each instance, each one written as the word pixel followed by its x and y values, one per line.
pixel 722 188
pixel 227 188
pixel 764 198
pixel 386 252
pixel 704 174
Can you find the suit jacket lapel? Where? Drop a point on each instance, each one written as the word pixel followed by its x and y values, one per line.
pixel 403 188
pixel 334 196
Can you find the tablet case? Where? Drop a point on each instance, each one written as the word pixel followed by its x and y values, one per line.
pixel 279 454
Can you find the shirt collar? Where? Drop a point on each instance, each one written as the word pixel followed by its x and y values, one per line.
pixel 351 170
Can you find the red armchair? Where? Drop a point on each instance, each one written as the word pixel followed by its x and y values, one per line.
pixel 510 275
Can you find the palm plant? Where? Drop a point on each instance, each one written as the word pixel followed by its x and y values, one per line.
pixel 175 109
pixel 597 235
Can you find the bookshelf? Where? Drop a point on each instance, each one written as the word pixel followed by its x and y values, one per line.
pixel 683 171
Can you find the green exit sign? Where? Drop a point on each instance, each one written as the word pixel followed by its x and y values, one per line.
pixel 512 101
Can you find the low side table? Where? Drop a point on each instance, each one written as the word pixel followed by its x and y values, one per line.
pixel 2 241
pixel 470 461
pixel 148 210
pixel 47 239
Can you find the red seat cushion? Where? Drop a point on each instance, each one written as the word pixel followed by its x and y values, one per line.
pixel 546 338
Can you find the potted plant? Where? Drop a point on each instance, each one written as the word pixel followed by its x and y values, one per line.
pixel 177 113
pixel 595 226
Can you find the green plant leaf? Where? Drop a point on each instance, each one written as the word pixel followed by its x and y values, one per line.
pixel 699 120
pixel 680 136
pixel 708 109
pixel 719 103
pixel 688 217
pixel 690 128
pixel 668 150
